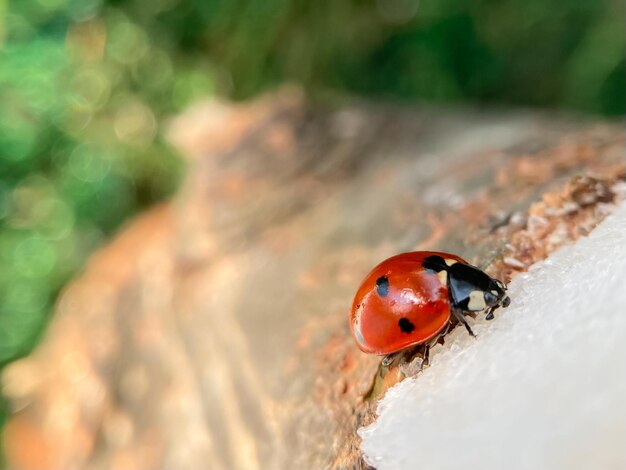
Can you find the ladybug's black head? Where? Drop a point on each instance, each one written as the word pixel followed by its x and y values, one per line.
pixel 495 294
pixel 472 290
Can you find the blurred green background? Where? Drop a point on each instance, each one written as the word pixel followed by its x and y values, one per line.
pixel 86 84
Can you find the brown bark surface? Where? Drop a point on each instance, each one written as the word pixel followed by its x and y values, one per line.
pixel 212 332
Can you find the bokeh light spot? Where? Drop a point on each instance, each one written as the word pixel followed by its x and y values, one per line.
pixel 17 136
pixel 21 297
pixel 90 88
pixel 127 43
pixel 54 218
pixel 135 124
pixel 89 165
pixel 86 40
pixel 155 70
pixel 40 91
pixel 76 118
pixel 24 199
pixel 34 257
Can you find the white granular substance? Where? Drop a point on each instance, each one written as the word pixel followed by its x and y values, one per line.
pixel 543 386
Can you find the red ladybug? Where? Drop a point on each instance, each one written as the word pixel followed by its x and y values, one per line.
pixel 409 299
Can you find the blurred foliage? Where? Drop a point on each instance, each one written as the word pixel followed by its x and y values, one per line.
pixel 85 85
pixel 546 53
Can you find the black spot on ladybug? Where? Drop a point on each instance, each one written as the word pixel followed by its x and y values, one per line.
pixel 405 325
pixel 434 264
pixel 382 286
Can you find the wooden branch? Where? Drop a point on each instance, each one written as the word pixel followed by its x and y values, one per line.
pixel 212 331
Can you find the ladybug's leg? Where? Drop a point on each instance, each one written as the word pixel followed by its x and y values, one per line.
pixel 439 339
pixel 387 360
pixel 490 313
pixel 458 314
pixel 426 359
pixel 391 358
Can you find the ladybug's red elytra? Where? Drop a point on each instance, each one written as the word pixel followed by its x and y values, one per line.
pixel 409 299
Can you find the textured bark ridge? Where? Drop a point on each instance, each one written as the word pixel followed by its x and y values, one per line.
pixel 212 331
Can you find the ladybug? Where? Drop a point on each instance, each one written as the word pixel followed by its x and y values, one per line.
pixel 410 299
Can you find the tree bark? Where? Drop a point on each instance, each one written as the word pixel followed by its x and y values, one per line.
pixel 212 331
